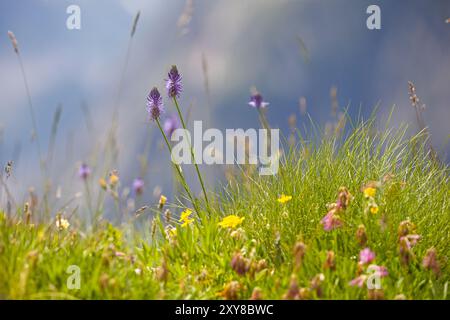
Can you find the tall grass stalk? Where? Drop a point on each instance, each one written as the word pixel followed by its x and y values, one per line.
pixel 180 115
pixel 178 169
pixel 110 141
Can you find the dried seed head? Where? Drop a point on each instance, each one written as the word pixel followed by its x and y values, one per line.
pixel 361 235
pixel 261 265
pixel 167 215
pixel 405 227
pixel 344 198
pixel 27 212
pixel 430 261
pixel 26 207
pixel 302 105
pixel 292 121
pixel 14 42
pixel 240 264
pixel 299 253
pixel 153 228
pixel 136 19
pixel 139 211
pixel 412 94
pixel 316 283
pixel 8 169
pixel 334 100
pixel 330 262
pixel 231 291
pixel 186 17
pixel 162 272
pixel 256 294
pixel 293 290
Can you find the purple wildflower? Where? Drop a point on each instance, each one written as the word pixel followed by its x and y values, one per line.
pixel 366 256
pixel 331 221
pixel 84 171
pixel 173 83
pixel 256 101
pixel 154 104
pixel 138 185
pixel 170 125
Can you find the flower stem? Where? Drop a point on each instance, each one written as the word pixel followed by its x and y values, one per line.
pixel 192 153
pixel 89 201
pixel 266 126
pixel 177 167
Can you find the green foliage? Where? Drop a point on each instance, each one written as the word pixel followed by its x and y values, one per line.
pixel 196 263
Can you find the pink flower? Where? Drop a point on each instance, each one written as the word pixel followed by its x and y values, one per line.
pixel 409 241
pixel 430 261
pixel 413 239
pixel 378 270
pixel 359 281
pixel 366 256
pixel 331 221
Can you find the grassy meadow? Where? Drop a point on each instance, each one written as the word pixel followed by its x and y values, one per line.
pixel 299 234
pixel 359 209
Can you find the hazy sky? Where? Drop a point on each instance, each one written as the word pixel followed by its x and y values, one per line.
pixel 245 43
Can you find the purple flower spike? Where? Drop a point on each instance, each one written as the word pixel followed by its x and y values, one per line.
pixel 170 125
pixel 138 185
pixel 84 171
pixel 154 104
pixel 173 83
pixel 256 101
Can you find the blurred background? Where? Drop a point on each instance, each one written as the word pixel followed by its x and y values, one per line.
pixel 319 52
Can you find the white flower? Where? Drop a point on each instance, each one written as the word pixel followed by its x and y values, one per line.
pixel 62 224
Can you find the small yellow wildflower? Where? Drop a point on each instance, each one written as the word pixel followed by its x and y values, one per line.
pixel 185 218
pixel 102 183
pixel 185 215
pixel 187 222
pixel 62 224
pixel 369 192
pixel 113 178
pixel 162 201
pixel 173 232
pixel 374 208
pixel 284 198
pixel 231 221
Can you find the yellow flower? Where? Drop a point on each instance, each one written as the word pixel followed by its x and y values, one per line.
pixel 173 232
pixel 102 183
pixel 185 215
pixel 187 222
pixel 162 201
pixel 374 208
pixel 283 198
pixel 369 192
pixel 62 224
pixel 231 221
pixel 113 178
pixel 185 218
